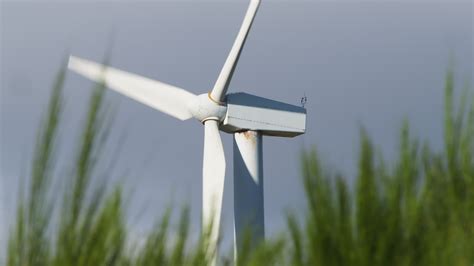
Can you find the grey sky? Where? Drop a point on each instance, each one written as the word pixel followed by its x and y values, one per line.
pixel 357 62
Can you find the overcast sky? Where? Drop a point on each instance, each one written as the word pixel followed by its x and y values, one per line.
pixel 359 63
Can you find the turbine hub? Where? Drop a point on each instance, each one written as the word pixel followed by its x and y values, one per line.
pixel 205 108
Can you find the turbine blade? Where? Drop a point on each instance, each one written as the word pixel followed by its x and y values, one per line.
pixel 223 81
pixel 213 172
pixel 166 98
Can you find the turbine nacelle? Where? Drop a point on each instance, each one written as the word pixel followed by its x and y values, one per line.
pixel 272 118
pixel 243 111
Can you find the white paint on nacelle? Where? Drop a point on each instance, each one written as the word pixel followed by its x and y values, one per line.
pixel 271 118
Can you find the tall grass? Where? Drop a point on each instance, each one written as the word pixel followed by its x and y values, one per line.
pixel 416 210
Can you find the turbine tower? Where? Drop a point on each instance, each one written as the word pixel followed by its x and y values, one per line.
pixel 246 116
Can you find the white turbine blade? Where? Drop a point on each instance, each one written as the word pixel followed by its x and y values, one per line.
pixel 223 81
pixel 213 181
pixel 169 99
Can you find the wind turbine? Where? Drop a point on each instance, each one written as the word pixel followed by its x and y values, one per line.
pixel 246 116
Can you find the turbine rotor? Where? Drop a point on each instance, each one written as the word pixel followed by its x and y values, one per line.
pixel 204 108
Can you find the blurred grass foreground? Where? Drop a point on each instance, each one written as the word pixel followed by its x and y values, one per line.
pixel 416 210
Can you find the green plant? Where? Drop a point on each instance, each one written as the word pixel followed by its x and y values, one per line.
pixel 417 210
